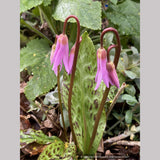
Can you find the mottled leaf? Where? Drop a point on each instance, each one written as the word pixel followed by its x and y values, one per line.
pixel 31 135
pixel 59 150
pixel 85 101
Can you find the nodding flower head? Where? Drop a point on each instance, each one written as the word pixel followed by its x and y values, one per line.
pixel 59 53
pixel 71 57
pixel 105 70
pixel 113 78
pixel 102 73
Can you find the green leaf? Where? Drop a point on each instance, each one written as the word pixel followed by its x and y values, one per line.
pixel 125 59
pixel 85 100
pixel 87 11
pixel 31 135
pixel 36 56
pixel 108 39
pixel 131 100
pixel 136 70
pixel 137 81
pixel 130 90
pixel 66 118
pixel 47 2
pixel 130 74
pixel 126 16
pixel 134 50
pixel 117 116
pixel 59 150
pixel 114 1
pixel 134 59
pixel 28 4
pixel 128 117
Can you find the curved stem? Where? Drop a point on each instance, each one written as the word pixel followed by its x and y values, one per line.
pixel 118 48
pixel 60 103
pixel 105 94
pixel 73 71
pixel 108 50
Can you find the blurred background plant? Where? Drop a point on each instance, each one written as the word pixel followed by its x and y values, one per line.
pixel 40 21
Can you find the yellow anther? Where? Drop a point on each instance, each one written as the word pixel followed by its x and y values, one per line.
pixel 66 145
pixel 34 54
pixel 34 148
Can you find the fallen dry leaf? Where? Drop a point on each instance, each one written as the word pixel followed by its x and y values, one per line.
pixel 101 146
pixel 33 148
pixel 24 122
pixel 51 116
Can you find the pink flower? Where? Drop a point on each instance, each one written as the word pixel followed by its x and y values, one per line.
pixel 71 57
pixel 105 70
pixel 102 73
pixel 60 52
pixel 113 78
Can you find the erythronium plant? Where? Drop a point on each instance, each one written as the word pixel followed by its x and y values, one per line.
pixel 112 79
pixel 61 52
pixel 106 71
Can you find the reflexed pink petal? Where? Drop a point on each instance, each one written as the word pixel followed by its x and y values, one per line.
pixel 52 53
pixel 71 58
pixel 65 57
pixel 58 59
pixel 113 78
pixel 98 67
pixel 56 69
pixel 105 78
pixel 55 52
pixel 99 79
pixel 51 56
pixel 61 53
pixel 103 65
pixel 102 73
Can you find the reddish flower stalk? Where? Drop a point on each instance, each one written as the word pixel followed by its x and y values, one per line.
pixel 77 44
pixel 116 59
pixel 118 48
